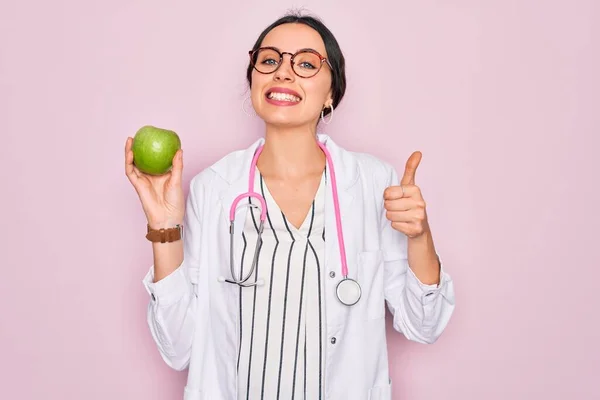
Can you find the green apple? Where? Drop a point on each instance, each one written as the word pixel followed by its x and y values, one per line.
pixel 154 148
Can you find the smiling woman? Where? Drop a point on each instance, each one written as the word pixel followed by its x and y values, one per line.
pixel 288 300
pixel 277 74
pixel 311 47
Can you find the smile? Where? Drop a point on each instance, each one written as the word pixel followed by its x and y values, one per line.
pixel 282 96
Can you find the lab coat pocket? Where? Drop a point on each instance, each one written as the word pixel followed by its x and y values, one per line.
pixel 383 392
pixel 370 274
pixel 190 393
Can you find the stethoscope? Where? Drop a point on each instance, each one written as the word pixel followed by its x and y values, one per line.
pixel 348 290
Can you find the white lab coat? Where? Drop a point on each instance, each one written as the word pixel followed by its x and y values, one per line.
pixel 193 317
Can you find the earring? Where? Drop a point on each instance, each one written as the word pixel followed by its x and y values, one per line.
pixel 330 115
pixel 253 114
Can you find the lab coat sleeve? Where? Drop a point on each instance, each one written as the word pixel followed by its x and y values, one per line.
pixel 173 310
pixel 421 312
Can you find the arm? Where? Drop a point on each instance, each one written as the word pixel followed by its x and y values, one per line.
pixel 174 309
pixel 418 292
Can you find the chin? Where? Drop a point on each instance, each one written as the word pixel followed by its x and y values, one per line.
pixel 286 121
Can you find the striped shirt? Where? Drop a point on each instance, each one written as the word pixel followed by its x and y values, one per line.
pixel 281 348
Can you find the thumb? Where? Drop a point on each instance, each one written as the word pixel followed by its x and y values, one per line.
pixel 177 170
pixel 411 168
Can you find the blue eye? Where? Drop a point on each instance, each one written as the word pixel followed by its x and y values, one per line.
pixel 307 65
pixel 269 61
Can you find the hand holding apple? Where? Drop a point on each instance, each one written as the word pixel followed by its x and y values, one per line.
pixel 154 165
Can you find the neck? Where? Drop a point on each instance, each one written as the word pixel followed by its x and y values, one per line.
pixel 290 153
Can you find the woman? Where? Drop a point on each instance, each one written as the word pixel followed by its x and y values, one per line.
pixel 297 309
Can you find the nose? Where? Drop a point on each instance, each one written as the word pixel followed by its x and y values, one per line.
pixel 285 72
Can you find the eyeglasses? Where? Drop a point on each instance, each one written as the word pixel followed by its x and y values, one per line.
pixel 305 62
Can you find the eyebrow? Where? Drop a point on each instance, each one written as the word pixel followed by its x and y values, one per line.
pixel 302 49
pixel 308 48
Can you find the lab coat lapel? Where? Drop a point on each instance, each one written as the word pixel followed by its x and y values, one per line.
pixel 236 171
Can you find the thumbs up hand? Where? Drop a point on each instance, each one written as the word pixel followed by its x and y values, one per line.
pixel 404 203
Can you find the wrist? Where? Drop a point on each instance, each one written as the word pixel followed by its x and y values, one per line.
pixel 424 238
pixel 422 248
pixel 165 235
pixel 156 225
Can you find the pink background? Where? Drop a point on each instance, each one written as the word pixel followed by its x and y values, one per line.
pixel 500 96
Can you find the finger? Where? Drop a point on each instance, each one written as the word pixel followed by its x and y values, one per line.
pixel 400 216
pixel 399 204
pixel 403 227
pixel 129 167
pixel 177 170
pixel 137 172
pixel 393 193
pixel 412 191
pixel 411 168
pixel 405 204
pixel 403 191
pixel 127 149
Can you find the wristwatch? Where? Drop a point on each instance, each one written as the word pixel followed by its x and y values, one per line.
pixel 165 235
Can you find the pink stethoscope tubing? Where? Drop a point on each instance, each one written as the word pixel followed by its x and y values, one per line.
pixel 348 290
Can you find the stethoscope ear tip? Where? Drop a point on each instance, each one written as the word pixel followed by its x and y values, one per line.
pixel 221 279
pixel 260 282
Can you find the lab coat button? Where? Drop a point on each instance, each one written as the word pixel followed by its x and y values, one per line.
pixel 332 274
pixel 333 340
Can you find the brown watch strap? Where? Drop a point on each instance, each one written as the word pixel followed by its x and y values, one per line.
pixel 164 235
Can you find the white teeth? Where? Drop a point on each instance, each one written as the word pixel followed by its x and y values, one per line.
pixel 283 97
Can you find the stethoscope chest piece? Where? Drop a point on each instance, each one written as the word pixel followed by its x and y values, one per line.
pixel 348 291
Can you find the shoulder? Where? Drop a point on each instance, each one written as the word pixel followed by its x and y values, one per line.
pixel 374 165
pixel 371 168
pixel 223 171
pixel 210 175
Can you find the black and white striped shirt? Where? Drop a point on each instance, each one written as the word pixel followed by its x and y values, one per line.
pixel 281 351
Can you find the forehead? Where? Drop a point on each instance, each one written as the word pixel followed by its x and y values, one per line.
pixel 295 36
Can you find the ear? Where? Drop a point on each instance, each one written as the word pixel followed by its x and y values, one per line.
pixel 329 100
